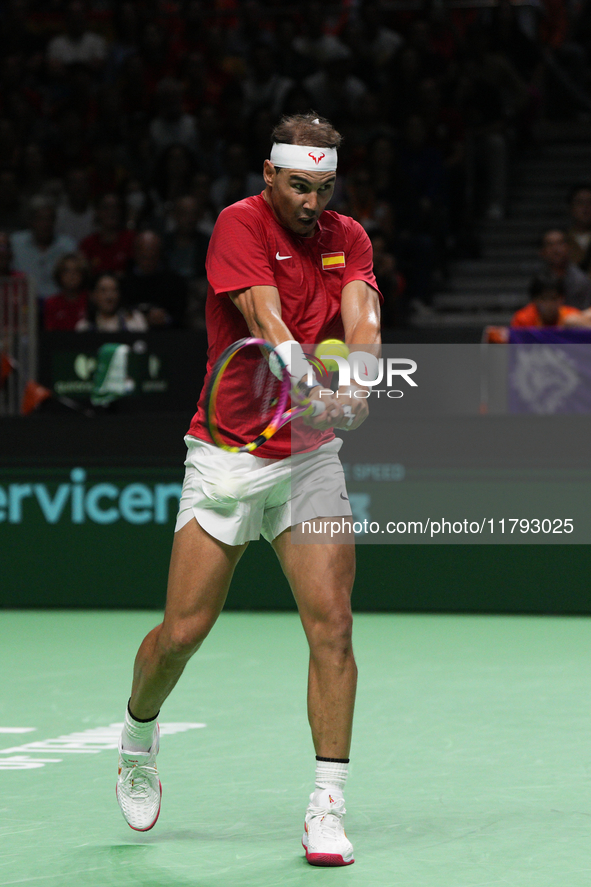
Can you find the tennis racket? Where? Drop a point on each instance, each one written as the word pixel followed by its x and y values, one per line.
pixel 267 402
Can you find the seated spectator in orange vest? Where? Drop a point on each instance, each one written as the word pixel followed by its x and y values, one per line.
pixel 546 306
pixel 63 311
pixel 111 247
pixel 105 314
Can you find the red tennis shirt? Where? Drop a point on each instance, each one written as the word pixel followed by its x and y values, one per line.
pixel 249 247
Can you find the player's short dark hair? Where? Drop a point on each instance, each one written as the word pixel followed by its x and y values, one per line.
pixel 300 129
pixel 543 283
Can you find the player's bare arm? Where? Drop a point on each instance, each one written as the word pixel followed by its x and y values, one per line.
pixel 360 311
pixel 261 308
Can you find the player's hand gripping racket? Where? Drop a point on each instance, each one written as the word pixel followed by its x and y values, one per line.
pixel 266 406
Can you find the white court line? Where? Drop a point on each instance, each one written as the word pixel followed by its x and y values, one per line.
pixel 91 741
pixel 45 877
pixel 17 729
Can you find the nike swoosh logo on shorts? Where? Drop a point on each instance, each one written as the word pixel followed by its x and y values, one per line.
pixel 344 497
pixel 281 258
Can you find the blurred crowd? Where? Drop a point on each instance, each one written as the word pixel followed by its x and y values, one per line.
pixel 125 127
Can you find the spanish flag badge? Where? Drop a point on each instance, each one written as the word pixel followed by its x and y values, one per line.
pixel 332 260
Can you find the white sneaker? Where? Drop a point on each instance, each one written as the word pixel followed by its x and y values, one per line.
pixel 324 840
pixel 138 788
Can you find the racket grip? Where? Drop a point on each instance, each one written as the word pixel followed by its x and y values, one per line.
pixel 318 407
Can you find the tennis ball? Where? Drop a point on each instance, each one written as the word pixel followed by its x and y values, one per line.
pixel 331 346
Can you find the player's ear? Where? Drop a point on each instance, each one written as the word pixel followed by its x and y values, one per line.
pixel 269 173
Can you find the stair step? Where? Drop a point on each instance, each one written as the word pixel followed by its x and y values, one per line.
pixel 489 284
pixel 517 225
pixel 478 301
pixel 552 178
pixel 535 205
pixel 563 131
pixel 554 164
pixel 567 150
pixel 469 318
pixel 490 289
pixel 546 192
pixel 501 267
pixel 525 241
pixel 508 251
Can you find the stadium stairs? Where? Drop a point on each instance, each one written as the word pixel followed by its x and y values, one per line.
pixel 488 290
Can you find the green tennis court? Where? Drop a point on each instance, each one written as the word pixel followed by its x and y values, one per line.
pixel 470 762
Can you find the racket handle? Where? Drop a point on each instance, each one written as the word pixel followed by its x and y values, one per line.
pixel 317 407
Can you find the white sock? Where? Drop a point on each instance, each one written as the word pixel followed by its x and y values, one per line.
pixel 137 735
pixel 331 775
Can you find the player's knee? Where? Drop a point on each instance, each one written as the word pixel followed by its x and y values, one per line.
pixel 186 636
pixel 334 633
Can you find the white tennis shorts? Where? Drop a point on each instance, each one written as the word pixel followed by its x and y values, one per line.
pixel 236 497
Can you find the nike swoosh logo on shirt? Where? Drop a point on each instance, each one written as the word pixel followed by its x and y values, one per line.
pixel 281 258
pixel 344 497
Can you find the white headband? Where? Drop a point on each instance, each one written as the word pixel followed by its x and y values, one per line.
pixel 303 157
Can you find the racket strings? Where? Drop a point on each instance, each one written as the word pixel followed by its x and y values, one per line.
pixel 265 389
pixel 246 396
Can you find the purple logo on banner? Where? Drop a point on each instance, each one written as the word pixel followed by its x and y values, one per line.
pixel 550 371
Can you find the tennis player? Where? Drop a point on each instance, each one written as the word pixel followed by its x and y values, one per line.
pixel 282 268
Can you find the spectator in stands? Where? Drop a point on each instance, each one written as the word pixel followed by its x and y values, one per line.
pixel 390 281
pixel 555 256
pixel 13 288
pixel 237 182
pixel 421 206
pixel 383 42
pixel 105 314
pixel 490 95
pixel 150 287
pixel 110 248
pixel 210 157
pixel 546 308
pixel 362 203
pixel 6 257
pixel 578 235
pixel 172 178
pixel 106 172
pixel 185 248
pixel 32 171
pixel 335 92
pixel 172 126
pixel 77 45
pixel 12 216
pixel 264 87
pixel 201 191
pixel 38 249
pixel 75 215
pixel 69 306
